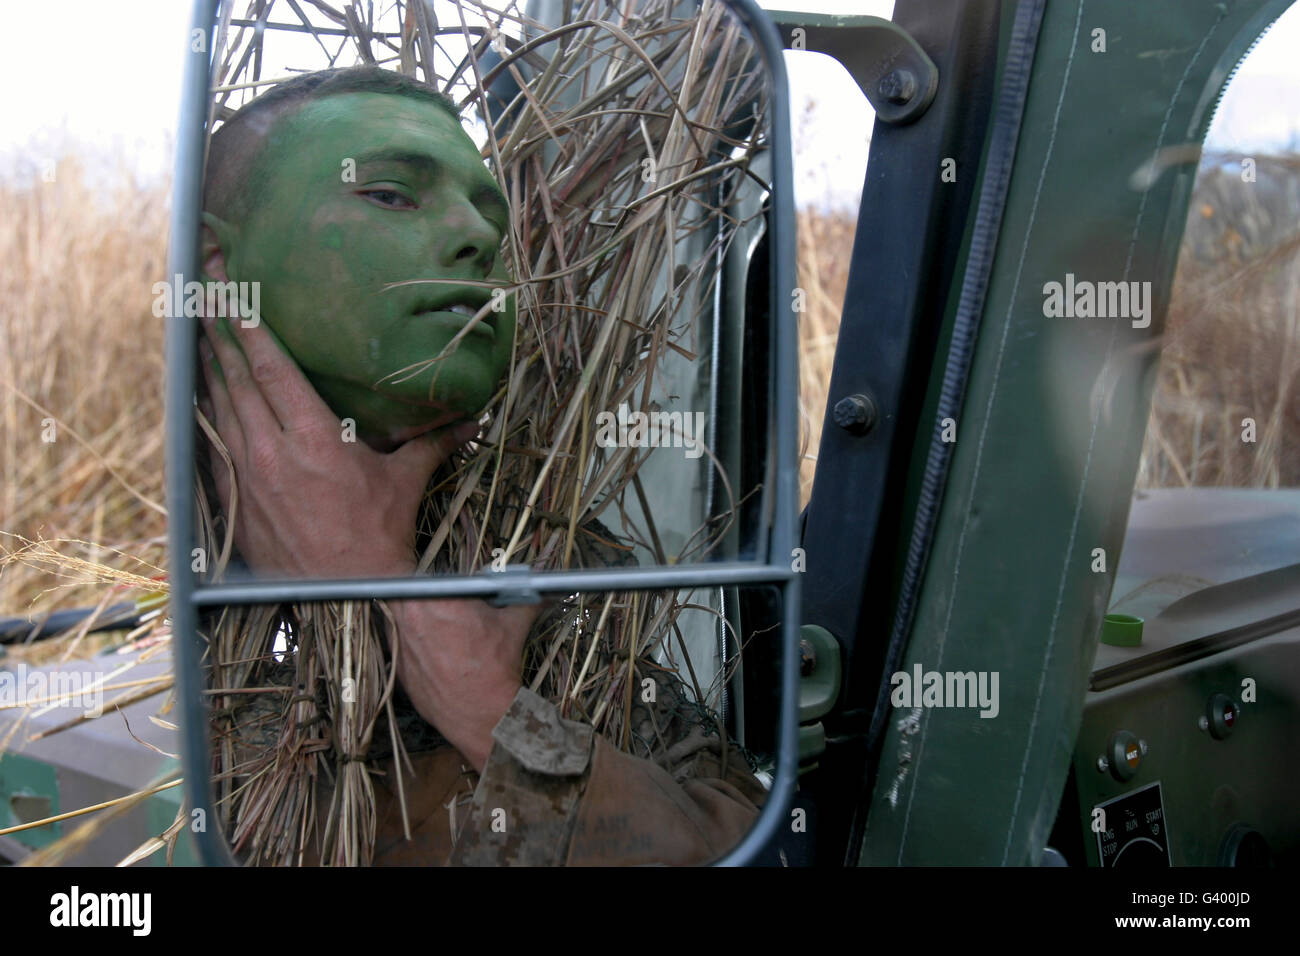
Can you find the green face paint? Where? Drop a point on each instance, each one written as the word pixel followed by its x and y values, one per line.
pixel 362 191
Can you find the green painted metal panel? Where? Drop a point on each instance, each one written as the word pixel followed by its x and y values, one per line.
pixel 162 809
pixel 1048 443
pixel 29 790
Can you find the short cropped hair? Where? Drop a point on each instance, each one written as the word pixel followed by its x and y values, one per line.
pixel 234 178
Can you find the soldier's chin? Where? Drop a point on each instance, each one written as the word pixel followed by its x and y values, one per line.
pixel 403 434
pixel 406 423
pixel 387 420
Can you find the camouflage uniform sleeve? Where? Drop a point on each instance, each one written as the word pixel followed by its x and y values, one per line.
pixel 554 793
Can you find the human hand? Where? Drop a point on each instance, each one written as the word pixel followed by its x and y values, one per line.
pixel 312 504
pixel 309 503
pixel 461 662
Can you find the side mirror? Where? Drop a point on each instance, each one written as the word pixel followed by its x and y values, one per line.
pixel 605 289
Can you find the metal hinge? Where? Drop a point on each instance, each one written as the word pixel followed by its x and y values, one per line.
pixel 820 672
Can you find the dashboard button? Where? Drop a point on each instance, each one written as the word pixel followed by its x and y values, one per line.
pixel 1125 755
pixel 1221 714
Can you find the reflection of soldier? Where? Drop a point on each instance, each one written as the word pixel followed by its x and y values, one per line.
pixel 326 248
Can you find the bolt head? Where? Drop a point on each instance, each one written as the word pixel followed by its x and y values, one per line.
pixel 897 86
pixel 807 658
pixel 856 413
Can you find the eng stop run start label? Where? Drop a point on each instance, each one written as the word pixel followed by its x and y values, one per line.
pixel 1135 834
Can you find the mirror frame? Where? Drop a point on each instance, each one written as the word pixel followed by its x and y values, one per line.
pixel 517 583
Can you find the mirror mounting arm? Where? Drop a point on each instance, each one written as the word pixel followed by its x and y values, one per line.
pixel 895 74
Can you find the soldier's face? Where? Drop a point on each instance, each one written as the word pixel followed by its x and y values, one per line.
pixel 362 191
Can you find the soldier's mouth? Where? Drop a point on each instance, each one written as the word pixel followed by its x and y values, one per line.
pixel 458 316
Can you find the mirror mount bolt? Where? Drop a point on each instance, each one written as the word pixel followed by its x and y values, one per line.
pixel 898 86
pixel 855 414
pixel 807 658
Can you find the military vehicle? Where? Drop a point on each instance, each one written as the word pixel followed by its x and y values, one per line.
pixel 976 644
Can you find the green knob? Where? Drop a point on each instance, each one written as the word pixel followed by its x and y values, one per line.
pixel 1122 630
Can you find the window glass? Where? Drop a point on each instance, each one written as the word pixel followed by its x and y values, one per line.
pixel 1217 497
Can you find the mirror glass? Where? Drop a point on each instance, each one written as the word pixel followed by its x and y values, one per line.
pixel 352 734
pixel 482 288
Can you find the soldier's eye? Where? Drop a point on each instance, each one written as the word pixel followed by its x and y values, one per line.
pixel 389 198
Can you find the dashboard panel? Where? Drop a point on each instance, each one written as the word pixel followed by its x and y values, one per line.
pixel 1188 745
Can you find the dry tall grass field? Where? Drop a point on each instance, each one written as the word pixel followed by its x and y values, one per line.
pixel 81 362
pixel 825 243
pixel 1232 338
pixel 81 368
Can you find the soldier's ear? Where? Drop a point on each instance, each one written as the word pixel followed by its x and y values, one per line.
pixel 216 243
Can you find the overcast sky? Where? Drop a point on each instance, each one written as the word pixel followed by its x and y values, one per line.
pixel 112 87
